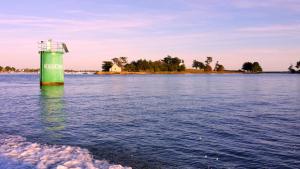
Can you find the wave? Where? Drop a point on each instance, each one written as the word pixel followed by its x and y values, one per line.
pixel 17 153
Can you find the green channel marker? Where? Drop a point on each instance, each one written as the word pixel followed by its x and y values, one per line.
pixel 51 65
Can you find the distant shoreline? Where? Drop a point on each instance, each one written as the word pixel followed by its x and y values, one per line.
pixel 190 71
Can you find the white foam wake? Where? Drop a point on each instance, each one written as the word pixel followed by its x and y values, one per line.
pixel 17 153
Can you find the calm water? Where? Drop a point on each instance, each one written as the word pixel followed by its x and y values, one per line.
pixel 162 121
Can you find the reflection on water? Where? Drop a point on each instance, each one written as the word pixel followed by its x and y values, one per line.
pixel 52 105
pixel 161 121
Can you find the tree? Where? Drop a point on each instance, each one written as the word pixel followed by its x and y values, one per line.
pixel 208 60
pixel 106 65
pixel 176 61
pixel 247 66
pixel 167 60
pixel 1 68
pixel 197 64
pixel 252 67
pixel 166 64
pixel 208 68
pixel 121 61
pixel 291 69
pixel 181 68
pixel 172 64
pixel 117 61
pixel 216 66
pixel 220 68
pixel 298 65
pixel 256 67
pixel 130 67
pixel 158 66
pixel 7 68
pixel 201 65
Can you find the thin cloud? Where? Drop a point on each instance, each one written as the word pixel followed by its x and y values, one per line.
pixel 293 5
pixel 286 29
pixel 76 25
pixel 95 23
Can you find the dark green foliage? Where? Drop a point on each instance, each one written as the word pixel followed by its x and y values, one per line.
pixel 7 69
pixel 219 67
pixel 298 65
pixel 167 64
pixel 181 68
pixel 201 65
pixel 106 65
pixel 247 66
pixel 291 69
pixel 208 68
pixel 208 60
pixel 131 67
pixel 172 64
pixel 143 65
pixel 252 67
pixel 195 64
pixel 256 67
pixel 121 61
pixel 116 61
pixel 198 65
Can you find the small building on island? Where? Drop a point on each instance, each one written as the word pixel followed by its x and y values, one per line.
pixel 115 68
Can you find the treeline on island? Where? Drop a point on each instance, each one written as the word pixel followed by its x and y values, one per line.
pixel 7 69
pixel 13 69
pixel 295 69
pixel 169 63
pixel 173 64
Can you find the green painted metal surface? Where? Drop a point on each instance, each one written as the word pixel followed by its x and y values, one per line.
pixel 51 68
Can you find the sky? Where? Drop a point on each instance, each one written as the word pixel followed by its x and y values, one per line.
pixel 230 31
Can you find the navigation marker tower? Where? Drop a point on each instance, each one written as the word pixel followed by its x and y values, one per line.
pixel 51 62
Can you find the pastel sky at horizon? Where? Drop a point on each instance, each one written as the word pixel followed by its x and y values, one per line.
pixel 230 31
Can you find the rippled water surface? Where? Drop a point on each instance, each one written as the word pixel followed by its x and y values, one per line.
pixel 162 121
